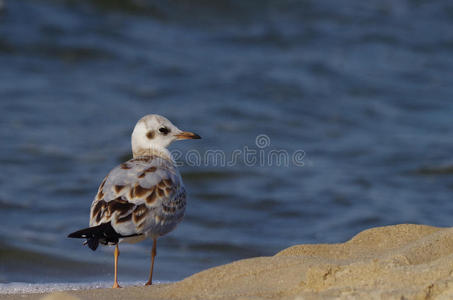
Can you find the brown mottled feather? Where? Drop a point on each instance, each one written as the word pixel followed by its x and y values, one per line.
pixel 151 169
pixel 124 219
pixel 118 188
pixel 140 191
pixel 99 195
pixel 125 166
pixel 152 197
pixel 139 213
pixel 142 195
pixel 119 205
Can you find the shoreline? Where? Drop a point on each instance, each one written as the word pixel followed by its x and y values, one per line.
pixel 392 262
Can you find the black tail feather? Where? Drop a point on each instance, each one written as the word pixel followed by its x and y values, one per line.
pixel 104 234
pixel 93 243
pixel 87 232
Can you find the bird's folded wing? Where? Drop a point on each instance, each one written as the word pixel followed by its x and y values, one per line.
pixel 135 192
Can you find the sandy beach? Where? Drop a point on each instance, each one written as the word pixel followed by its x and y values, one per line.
pixel 394 262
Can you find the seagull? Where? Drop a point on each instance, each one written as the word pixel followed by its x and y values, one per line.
pixel 143 197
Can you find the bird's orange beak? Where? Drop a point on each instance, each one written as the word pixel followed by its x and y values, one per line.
pixel 186 135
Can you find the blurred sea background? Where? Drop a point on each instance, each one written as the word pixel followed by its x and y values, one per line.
pixel 364 88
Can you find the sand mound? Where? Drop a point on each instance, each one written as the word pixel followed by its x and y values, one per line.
pixel 411 261
pixel 393 262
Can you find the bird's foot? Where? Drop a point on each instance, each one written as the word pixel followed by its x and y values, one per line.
pixel 149 283
pixel 116 286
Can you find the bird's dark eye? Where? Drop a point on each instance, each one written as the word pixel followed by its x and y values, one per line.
pixel 164 130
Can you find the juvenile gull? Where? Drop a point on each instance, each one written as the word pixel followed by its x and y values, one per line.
pixel 143 197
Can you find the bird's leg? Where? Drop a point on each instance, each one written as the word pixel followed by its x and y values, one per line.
pixel 117 253
pixel 153 255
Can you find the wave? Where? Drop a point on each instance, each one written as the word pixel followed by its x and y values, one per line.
pixel 435 170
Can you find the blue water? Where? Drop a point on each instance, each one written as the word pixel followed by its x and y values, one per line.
pixel 364 89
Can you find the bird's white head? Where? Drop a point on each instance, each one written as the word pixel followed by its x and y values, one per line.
pixel 155 133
